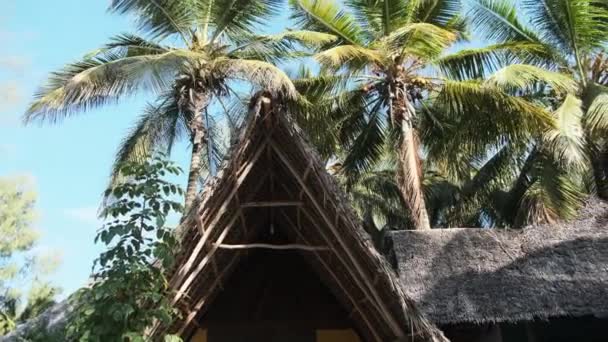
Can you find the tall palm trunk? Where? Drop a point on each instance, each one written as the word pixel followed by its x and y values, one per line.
pixel 410 177
pixel 599 164
pixel 194 104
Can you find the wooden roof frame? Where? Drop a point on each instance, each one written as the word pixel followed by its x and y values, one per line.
pixel 273 154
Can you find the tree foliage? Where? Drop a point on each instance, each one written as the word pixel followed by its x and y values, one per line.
pixel 404 89
pixel 19 267
pixel 129 290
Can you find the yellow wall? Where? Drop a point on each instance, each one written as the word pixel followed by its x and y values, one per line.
pixel 346 335
pixel 200 336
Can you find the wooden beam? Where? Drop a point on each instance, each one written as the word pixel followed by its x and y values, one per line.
pixel 356 307
pixel 213 263
pixel 271 204
pixel 184 286
pixel 242 174
pixel 305 177
pixel 277 247
pixel 397 330
pixel 183 271
pixel 197 307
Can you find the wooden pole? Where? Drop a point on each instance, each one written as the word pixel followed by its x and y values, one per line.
pixel 271 204
pixel 183 271
pixel 275 247
pixel 202 300
pixel 184 287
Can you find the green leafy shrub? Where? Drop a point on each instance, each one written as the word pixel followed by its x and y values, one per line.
pixel 129 292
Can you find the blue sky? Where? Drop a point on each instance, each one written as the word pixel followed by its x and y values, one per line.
pixel 68 162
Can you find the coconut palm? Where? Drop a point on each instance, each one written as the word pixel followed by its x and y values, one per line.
pixel 188 54
pixel 393 56
pixel 562 35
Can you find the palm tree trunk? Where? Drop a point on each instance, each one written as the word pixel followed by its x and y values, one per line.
pixel 410 177
pixel 599 163
pixel 196 102
pixel 410 181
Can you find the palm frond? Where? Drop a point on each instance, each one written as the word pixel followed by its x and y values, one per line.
pixel 472 97
pixel 437 12
pixel 576 26
pixel 525 76
pixel 566 139
pixel 159 18
pixel 378 18
pixel 368 145
pixel 129 45
pixel 420 39
pixel 352 55
pixel 259 73
pixel 596 119
pixel 156 130
pixel 236 18
pixel 327 16
pixel 551 196
pixel 99 81
pixel 496 20
pixel 479 62
pixel 277 47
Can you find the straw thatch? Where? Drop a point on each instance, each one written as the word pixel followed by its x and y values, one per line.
pixel 48 326
pixel 272 165
pixel 482 275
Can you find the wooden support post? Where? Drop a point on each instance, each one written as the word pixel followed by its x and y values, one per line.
pixel 395 327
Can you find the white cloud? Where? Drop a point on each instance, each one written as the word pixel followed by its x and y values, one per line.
pixel 86 215
pixel 15 64
pixel 11 94
pixel 8 150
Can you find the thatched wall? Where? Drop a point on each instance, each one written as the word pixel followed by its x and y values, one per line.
pixel 482 275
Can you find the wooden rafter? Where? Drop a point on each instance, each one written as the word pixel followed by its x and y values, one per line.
pixel 371 290
pixel 329 270
pixel 213 263
pixel 199 304
pixel 184 286
pixel 183 271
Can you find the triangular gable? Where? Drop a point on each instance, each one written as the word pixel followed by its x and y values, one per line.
pixel 274 180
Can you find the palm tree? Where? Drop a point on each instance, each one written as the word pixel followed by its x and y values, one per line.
pixel 566 36
pixel 189 54
pixel 395 72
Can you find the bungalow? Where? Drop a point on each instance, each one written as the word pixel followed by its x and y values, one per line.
pixel 273 252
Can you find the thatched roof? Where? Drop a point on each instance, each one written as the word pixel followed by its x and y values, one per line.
pixel 482 275
pixel 272 166
pixel 48 326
